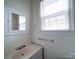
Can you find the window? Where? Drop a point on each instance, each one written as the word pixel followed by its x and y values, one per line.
pixel 54 15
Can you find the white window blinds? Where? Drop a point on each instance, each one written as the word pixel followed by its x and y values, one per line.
pixel 54 15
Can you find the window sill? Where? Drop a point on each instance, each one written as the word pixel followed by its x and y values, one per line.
pixel 57 32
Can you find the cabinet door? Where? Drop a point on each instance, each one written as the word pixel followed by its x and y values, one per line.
pixel 38 55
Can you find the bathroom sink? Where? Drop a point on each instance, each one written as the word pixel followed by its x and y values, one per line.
pixel 26 52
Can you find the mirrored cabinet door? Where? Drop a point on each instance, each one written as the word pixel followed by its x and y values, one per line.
pixel 18 22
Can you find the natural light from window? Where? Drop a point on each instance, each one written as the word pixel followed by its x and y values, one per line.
pixel 54 15
pixel 22 23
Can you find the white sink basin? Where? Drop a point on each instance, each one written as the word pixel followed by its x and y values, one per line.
pixel 26 53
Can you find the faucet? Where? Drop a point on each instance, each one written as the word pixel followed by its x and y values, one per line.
pixel 19 48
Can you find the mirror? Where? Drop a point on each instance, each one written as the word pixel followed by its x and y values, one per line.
pixel 18 22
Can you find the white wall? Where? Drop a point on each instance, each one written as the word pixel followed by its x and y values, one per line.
pixel 13 41
pixel 63 44
pixel 64 41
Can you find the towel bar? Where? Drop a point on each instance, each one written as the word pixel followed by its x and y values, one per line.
pixel 46 40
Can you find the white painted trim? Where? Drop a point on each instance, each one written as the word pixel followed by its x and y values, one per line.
pixel 16 32
pixel 71 18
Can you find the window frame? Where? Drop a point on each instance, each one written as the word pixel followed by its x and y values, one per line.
pixel 69 14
